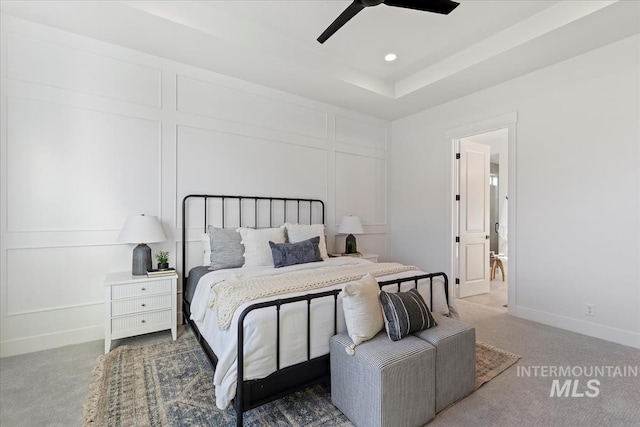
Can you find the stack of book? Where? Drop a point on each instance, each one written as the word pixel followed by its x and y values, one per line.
pixel 161 272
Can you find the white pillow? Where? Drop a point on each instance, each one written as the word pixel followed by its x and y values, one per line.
pixel 362 309
pixel 300 232
pixel 206 245
pixel 257 251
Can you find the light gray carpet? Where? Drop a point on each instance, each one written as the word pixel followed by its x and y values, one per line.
pixel 47 388
pixel 511 400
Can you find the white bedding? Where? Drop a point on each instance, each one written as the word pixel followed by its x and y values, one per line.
pixel 260 325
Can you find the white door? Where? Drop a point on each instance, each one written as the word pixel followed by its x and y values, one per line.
pixel 474 233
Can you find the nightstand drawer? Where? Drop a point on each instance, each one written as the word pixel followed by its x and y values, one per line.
pixel 141 322
pixel 139 305
pixel 140 289
pixel 136 305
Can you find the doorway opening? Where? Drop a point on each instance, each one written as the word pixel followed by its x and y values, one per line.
pixel 481 178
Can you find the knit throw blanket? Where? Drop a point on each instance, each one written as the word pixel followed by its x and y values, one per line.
pixel 230 295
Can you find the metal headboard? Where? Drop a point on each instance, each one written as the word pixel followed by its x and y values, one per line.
pixel 250 202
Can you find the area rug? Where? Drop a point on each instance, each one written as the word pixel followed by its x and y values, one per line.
pixel 171 384
pixel 491 361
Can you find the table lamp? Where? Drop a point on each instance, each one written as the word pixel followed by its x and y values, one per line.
pixel 141 229
pixel 350 225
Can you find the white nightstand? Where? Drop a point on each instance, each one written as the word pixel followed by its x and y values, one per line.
pixel 138 305
pixel 368 257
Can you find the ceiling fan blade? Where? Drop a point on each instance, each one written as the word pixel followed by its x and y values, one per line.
pixel 436 6
pixel 344 17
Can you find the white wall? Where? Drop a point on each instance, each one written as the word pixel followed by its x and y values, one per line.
pixel 92 132
pixel 577 185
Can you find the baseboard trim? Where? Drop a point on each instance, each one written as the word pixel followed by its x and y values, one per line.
pixel 48 341
pixel 595 330
pixel 25 345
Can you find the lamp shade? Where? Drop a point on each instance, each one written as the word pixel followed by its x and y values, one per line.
pixel 142 229
pixel 350 225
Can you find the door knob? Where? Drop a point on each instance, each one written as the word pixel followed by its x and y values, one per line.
pixel 487 237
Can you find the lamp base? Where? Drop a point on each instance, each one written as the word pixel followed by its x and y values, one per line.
pixel 141 260
pixel 350 245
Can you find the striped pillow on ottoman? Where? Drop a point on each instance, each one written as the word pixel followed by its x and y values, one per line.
pixel 405 313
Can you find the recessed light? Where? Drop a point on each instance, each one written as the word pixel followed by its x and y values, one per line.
pixel 390 57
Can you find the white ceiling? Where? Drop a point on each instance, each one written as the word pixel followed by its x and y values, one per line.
pixel 273 43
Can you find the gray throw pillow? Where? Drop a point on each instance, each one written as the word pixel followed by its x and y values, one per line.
pixel 405 313
pixel 226 249
pixel 285 254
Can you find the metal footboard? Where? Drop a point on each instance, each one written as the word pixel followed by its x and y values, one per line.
pixel 415 279
pixel 253 393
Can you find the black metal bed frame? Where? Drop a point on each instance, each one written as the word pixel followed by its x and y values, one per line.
pixel 253 393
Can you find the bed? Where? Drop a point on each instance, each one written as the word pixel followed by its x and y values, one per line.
pixel 276 341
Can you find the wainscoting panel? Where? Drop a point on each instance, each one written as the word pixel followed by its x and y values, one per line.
pixel 75 169
pixel 49 329
pixel 212 100
pixel 36 277
pixel 361 188
pixel 358 132
pixel 233 164
pixel 52 64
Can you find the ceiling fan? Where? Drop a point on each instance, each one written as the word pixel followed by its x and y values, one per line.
pixel 436 6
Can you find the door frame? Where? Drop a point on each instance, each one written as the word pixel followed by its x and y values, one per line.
pixel 508 121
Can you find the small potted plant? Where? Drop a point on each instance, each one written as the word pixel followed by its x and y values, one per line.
pixel 163 260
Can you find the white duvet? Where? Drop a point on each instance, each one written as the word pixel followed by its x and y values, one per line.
pixel 260 325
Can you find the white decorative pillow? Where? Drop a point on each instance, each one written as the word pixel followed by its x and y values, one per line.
pixel 362 310
pixel 257 251
pixel 300 232
pixel 206 245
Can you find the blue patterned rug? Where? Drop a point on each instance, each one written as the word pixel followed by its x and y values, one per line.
pixel 170 383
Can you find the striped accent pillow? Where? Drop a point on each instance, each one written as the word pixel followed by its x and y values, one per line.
pixel 405 313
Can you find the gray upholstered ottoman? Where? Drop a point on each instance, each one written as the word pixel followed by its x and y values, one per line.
pixel 384 383
pixel 455 344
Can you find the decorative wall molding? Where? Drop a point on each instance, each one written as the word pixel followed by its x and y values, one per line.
pixel 122 140
pixel 52 279
pixel 370 200
pixel 204 98
pixel 50 163
pixel 62 307
pixel 31 343
pixel 80 71
pixel 357 132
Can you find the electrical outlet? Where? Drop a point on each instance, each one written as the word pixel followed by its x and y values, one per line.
pixel 591 309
